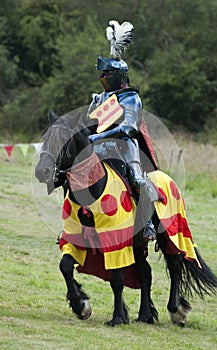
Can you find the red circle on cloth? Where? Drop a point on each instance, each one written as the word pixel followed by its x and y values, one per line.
pixel 112 102
pixel 67 209
pixel 109 205
pixel 99 113
pixel 106 107
pixel 174 190
pixel 163 196
pixel 126 201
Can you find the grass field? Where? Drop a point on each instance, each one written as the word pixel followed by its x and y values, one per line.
pixel 34 313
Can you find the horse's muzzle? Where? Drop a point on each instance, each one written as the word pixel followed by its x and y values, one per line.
pixel 43 175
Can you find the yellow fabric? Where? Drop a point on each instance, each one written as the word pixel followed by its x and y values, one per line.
pixel 173 214
pixel 174 206
pixel 78 254
pixel 72 224
pixel 184 244
pixel 119 258
pixel 121 220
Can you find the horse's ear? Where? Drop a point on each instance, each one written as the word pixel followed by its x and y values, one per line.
pixel 52 117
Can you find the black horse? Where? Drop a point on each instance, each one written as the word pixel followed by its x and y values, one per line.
pixel 65 159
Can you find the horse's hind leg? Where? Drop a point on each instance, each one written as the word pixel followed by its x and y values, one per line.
pixel 78 300
pixel 177 306
pixel 147 311
pixel 120 314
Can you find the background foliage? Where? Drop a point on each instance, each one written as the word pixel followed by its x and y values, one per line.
pixel 48 49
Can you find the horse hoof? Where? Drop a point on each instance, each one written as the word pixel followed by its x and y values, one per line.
pixel 86 311
pixel 116 321
pixel 145 320
pixel 180 316
pixel 181 324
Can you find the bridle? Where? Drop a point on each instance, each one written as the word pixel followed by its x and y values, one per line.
pixel 65 149
pixel 56 170
pixel 48 154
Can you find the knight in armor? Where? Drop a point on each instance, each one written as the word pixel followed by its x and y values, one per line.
pixel 115 80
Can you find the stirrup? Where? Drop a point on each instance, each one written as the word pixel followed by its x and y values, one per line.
pixel 149 232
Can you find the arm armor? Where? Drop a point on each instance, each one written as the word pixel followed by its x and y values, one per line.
pixel 131 119
pixel 118 132
pixel 129 126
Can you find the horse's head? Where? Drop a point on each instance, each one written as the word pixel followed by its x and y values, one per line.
pixel 63 140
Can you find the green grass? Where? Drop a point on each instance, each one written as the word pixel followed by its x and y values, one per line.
pixel 34 313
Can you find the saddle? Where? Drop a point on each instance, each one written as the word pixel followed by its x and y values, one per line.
pixel 110 154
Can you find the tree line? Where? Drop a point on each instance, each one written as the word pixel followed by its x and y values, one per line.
pixel 49 49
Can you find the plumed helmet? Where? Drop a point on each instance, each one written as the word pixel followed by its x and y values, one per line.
pixel 111 64
pixel 114 69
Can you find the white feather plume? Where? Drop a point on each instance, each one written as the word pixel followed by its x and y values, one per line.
pixel 120 36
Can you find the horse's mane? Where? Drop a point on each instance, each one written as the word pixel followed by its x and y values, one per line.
pixel 62 129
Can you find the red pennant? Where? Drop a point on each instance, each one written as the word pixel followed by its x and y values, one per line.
pixel 9 149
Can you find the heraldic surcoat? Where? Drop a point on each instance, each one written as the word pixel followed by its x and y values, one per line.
pixel 112 234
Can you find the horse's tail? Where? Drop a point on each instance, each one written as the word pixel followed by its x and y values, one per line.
pixel 196 280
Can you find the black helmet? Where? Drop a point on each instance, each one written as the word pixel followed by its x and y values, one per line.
pixel 114 73
pixel 110 64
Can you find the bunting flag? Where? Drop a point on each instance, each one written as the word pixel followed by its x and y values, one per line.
pixel 37 147
pixel 9 149
pixel 24 147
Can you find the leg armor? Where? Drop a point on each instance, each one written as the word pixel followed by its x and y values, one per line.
pixel 143 186
pixel 127 151
pixel 137 177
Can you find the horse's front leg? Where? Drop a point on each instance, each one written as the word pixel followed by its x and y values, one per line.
pixel 120 314
pixel 147 311
pixel 177 306
pixel 78 300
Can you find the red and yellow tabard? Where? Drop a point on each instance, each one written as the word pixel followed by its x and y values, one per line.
pixel 114 214
pixel 172 214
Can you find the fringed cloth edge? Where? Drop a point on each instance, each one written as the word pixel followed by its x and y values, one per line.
pixel 85 174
